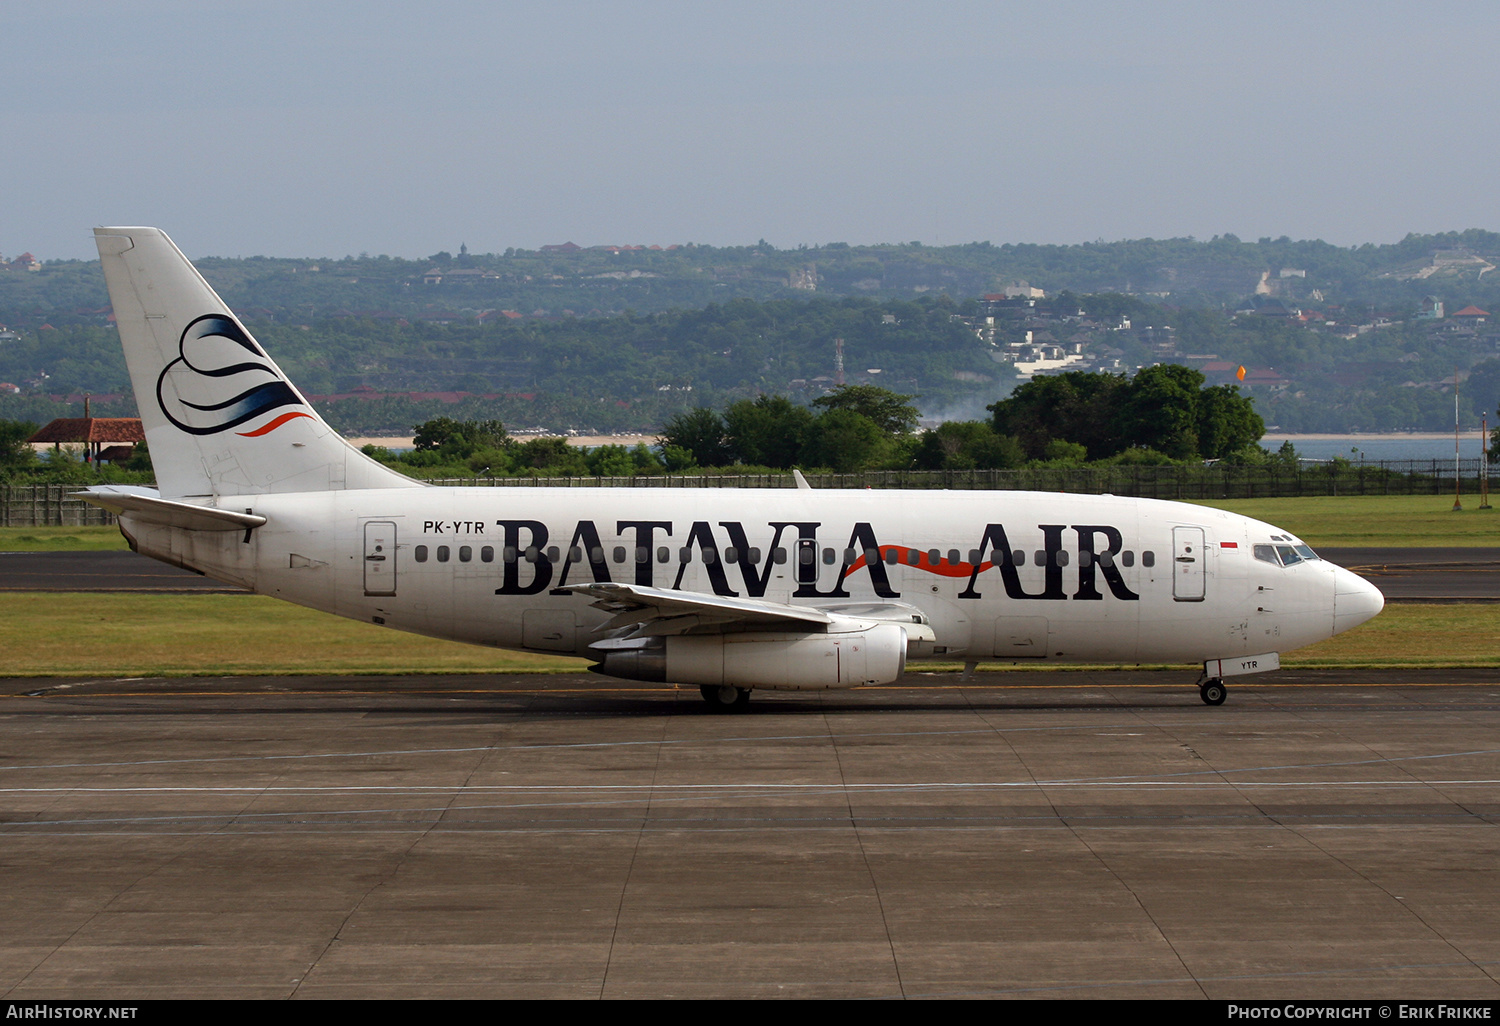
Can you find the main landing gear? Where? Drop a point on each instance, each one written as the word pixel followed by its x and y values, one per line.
pixel 1212 691
pixel 727 697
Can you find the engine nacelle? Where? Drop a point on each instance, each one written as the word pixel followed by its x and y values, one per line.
pixel 784 661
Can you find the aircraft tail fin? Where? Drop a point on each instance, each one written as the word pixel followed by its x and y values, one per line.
pixel 220 417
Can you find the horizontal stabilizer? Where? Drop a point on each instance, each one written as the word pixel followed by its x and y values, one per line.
pixel 146 505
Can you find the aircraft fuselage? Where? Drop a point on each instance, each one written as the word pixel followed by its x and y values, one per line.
pixel 997 575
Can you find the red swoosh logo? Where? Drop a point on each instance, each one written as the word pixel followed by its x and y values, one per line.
pixel 272 426
pixel 902 551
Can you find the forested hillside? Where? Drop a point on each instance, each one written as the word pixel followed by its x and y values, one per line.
pixel 622 338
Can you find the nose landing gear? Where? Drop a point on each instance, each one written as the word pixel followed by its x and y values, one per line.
pixel 1212 691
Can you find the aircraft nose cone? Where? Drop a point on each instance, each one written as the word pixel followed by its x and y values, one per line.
pixel 1355 600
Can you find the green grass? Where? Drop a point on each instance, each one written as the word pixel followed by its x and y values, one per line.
pixel 218 635
pixel 61 539
pixel 1375 520
pixel 1413 635
pixel 68 634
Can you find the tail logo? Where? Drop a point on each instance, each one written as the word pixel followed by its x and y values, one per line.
pixel 212 386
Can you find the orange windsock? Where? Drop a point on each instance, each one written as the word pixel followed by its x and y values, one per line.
pixel 1240 373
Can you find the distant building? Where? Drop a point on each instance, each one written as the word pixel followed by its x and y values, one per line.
pixel 120 434
pixel 1431 309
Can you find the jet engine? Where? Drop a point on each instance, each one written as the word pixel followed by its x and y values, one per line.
pixel 873 654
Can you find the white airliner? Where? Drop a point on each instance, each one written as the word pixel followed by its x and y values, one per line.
pixel 728 589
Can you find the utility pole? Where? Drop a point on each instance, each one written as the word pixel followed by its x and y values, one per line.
pixel 1457 505
pixel 1484 460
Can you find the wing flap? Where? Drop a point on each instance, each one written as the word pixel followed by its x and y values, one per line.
pixel 640 611
pixel 658 611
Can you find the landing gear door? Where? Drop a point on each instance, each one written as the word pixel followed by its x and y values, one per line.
pixel 1188 570
pixel 380 557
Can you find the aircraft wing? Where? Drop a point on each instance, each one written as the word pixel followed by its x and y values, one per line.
pixel 145 504
pixel 661 612
pixel 658 612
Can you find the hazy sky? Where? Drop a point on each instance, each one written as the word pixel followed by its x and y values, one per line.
pixel 328 128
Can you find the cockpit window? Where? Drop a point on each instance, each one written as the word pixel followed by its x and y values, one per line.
pixel 1289 555
pixel 1305 552
pixel 1267 554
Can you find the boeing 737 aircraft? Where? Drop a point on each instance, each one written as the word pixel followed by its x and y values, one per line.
pixel 727 589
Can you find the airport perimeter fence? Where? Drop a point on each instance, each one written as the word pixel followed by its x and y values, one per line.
pixel 55 504
pixel 1215 481
pixel 48 505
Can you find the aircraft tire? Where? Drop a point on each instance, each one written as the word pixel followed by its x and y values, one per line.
pixel 1212 692
pixel 725 698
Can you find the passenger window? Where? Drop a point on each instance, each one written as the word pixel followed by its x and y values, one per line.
pixel 953 557
pixel 731 554
pixel 442 553
pixel 892 557
pixel 1018 557
pixel 778 556
pixel 663 554
pixel 619 553
pixel 975 556
pixel 487 554
pixel 553 553
pixel 710 556
pixel 805 555
pixel 509 555
pixel 531 553
pixel 1062 557
pixel 596 554
pixel 872 556
pixel 575 553
pixel 642 554
pixel 1148 558
pixel 754 556
pixel 1041 557
pixel 914 557
pixel 828 557
pixel 934 557
pixel 465 554
pixel 1104 559
pixel 420 553
pixel 1127 558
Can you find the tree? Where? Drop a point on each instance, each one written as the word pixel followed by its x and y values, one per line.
pixel 770 431
pixel 967 445
pixel 1164 408
pixel 889 411
pixel 1160 410
pixel 1227 422
pixel 459 439
pixel 1078 406
pixel 701 433
pixel 15 453
pixel 843 440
